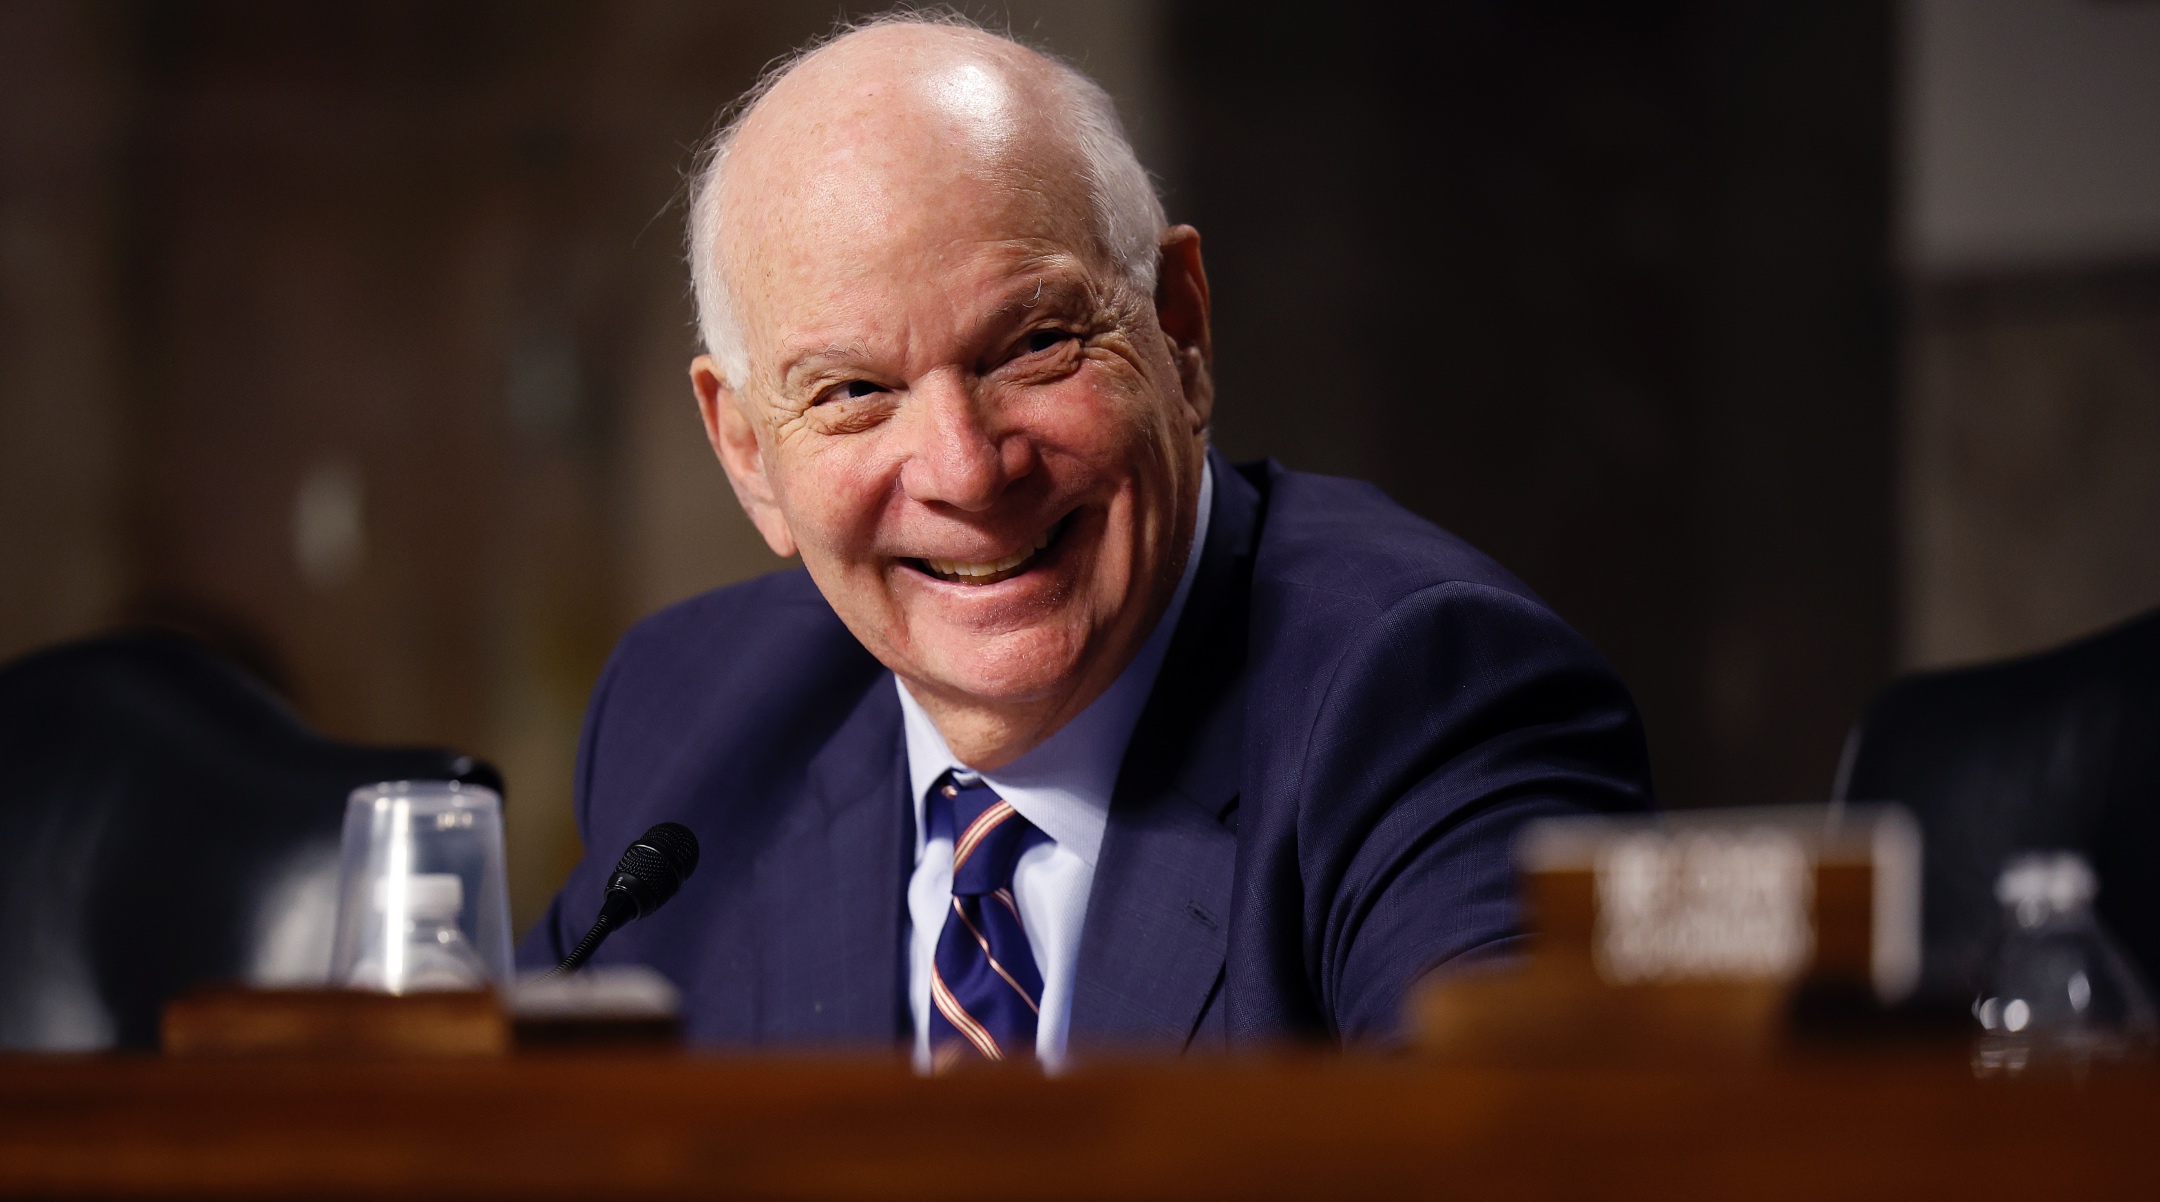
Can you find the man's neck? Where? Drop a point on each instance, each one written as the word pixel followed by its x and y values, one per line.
pixel 986 738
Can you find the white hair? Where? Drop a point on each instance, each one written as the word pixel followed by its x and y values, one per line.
pixel 1129 220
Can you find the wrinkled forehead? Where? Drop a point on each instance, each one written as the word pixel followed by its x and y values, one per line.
pixel 895 154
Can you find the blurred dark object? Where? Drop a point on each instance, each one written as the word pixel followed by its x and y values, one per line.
pixel 2056 750
pixel 231 637
pixel 1835 1016
pixel 164 821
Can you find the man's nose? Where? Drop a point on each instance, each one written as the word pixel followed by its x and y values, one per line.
pixel 957 454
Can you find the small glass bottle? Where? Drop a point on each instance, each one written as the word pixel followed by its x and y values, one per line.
pixel 434 954
pixel 2060 993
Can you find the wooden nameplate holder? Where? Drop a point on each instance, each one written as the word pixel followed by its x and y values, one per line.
pixel 1688 936
pixel 611 1007
pixel 232 1021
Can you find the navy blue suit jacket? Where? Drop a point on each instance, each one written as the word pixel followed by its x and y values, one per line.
pixel 1357 714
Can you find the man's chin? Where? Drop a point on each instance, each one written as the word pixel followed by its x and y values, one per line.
pixel 1019 670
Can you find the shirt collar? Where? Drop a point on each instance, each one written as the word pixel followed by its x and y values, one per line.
pixel 1063 785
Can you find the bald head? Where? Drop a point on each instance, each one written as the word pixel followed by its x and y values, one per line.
pixel 877 133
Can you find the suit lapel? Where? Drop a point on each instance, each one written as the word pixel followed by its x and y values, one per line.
pixel 830 889
pixel 1152 949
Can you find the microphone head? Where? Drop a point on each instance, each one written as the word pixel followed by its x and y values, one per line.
pixel 674 840
pixel 655 866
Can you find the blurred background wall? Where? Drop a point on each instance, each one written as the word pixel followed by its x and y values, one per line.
pixel 1778 344
pixel 2030 239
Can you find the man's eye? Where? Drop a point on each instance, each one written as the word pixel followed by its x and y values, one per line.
pixel 1044 339
pixel 854 390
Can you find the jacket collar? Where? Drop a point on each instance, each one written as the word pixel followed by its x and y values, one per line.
pixel 1152 950
pixel 831 889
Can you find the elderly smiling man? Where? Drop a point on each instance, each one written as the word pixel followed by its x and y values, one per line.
pixel 1068 733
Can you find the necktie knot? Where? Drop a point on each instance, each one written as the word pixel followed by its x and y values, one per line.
pixel 988 839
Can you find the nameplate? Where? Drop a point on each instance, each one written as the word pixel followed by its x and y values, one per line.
pixel 1770 895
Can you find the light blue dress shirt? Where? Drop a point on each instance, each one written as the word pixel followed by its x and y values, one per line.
pixel 1063 786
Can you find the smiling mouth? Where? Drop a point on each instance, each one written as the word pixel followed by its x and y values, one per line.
pixel 960 571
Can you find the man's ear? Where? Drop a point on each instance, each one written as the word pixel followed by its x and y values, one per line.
pixel 734 440
pixel 1181 306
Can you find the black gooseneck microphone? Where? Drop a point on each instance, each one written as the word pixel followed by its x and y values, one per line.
pixel 649 873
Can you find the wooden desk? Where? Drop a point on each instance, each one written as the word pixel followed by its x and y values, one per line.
pixel 596 1128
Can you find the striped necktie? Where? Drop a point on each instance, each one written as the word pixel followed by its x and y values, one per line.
pixel 985 990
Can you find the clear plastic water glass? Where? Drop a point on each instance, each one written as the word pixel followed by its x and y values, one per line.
pixel 423 902
pixel 2061 993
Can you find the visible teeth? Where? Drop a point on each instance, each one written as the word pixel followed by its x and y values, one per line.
pixel 962 568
